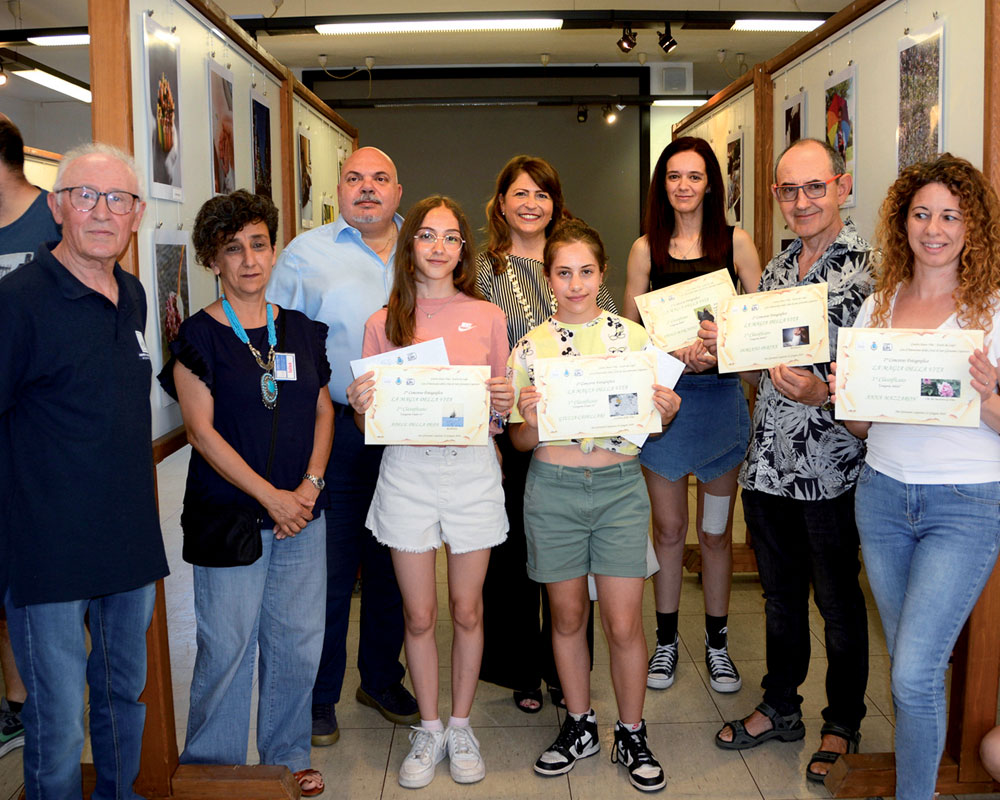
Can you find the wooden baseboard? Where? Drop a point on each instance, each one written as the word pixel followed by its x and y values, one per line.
pixel 743 558
pixel 874 774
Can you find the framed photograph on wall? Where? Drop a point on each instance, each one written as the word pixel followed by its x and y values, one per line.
pixel 162 50
pixel 841 94
pixel 734 177
pixel 328 210
pixel 304 150
pixel 260 111
pixel 220 115
pixel 173 297
pixel 794 118
pixel 921 96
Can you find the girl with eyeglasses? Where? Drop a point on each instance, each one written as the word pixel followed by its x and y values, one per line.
pixel 427 496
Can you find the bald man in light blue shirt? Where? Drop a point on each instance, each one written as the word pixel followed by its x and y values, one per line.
pixel 340 274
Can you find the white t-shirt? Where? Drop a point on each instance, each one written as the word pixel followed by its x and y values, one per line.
pixel 935 453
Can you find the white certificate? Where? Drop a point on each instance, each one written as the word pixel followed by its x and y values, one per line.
pixel 432 351
pixel 673 314
pixel 429 405
pixel 783 326
pixel 599 396
pixel 907 375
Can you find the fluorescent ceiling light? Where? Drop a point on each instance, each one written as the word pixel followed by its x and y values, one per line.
pixel 689 102
pixel 60 41
pixel 777 25
pixel 441 26
pixel 52 82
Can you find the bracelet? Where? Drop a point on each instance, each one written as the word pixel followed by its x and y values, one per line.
pixel 499 419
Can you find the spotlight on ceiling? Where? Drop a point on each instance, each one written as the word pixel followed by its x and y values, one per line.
pixel 666 40
pixel 581 114
pixel 3 76
pixel 628 40
pixel 610 116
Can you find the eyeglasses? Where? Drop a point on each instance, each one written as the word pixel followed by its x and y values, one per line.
pixel 814 190
pixel 84 198
pixel 452 241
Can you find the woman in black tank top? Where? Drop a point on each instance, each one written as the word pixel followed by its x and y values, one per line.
pixel 686 236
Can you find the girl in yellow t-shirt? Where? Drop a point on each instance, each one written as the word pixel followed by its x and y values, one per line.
pixel 586 511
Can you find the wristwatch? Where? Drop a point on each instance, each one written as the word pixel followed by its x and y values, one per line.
pixel 828 403
pixel 315 480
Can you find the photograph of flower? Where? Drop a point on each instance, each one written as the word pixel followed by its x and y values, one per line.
pixel 794 116
pixel 734 177
pixel 305 180
pixel 937 387
pixel 163 105
pixel 173 299
pixel 220 98
pixel 921 89
pixel 261 114
pixel 841 119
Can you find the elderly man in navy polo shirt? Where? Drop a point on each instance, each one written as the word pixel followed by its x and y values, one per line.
pixel 83 528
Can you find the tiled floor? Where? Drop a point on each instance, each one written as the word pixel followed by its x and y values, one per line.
pixel 682 720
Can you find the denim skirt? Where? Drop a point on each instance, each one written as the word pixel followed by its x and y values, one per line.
pixel 710 434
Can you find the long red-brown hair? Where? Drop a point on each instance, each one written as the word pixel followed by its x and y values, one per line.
pixel 400 323
pixel 979 265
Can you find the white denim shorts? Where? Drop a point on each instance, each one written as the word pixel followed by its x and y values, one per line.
pixel 428 495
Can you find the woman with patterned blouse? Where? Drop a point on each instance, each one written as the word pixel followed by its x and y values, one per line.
pixel 525 206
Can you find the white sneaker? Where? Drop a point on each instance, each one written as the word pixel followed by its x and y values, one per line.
pixel 467 765
pixel 426 750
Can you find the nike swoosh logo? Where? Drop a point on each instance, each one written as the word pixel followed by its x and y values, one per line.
pixel 465 326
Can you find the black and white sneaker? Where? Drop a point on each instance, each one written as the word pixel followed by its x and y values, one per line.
pixel 662 665
pixel 577 739
pixel 722 672
pixel 632 752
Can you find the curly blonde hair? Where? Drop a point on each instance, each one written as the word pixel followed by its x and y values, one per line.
pixel 979 266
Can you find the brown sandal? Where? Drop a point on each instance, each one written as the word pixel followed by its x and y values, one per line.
pixel 313 776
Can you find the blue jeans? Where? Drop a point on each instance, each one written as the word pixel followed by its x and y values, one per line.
pixel 50 648
pixel 928 551
pixel 351 475
pixel 275 603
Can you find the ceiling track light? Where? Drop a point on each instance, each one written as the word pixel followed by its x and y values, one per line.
pixel 628 40
pixel 581 114
pixel 610 116
pixel 666 39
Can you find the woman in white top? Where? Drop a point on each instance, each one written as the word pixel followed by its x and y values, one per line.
pixel 928 497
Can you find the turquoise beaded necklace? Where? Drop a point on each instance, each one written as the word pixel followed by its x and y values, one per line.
pixel 268 386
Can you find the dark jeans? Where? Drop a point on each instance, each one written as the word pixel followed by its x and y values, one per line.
pixel 350 483
pixel 798 542
pixel 517 653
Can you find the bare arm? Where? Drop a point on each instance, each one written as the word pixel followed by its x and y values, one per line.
pixel 857 427
pixel 984 380
pixel 746 260
pixel 290 511
pixel 524 435
pixel 637 277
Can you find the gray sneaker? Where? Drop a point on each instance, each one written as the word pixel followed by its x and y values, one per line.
pixel 11 729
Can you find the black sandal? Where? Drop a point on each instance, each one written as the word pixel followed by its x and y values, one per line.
pixel 521 699
pixel 787 729
pixel 853 739
pixel 556 695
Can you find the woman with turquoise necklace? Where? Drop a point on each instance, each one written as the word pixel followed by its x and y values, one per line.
pixel 251 382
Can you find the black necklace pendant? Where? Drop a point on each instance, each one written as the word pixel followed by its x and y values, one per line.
pixel 268 390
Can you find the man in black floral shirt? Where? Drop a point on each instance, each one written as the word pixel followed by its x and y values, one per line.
pixel 798 477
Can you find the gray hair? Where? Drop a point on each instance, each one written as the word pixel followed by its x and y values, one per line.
pixel 96 148
pixel 836 159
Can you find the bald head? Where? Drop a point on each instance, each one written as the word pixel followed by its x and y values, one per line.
pixel 369 191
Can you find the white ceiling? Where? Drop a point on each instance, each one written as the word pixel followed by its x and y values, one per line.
pixel 567 47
